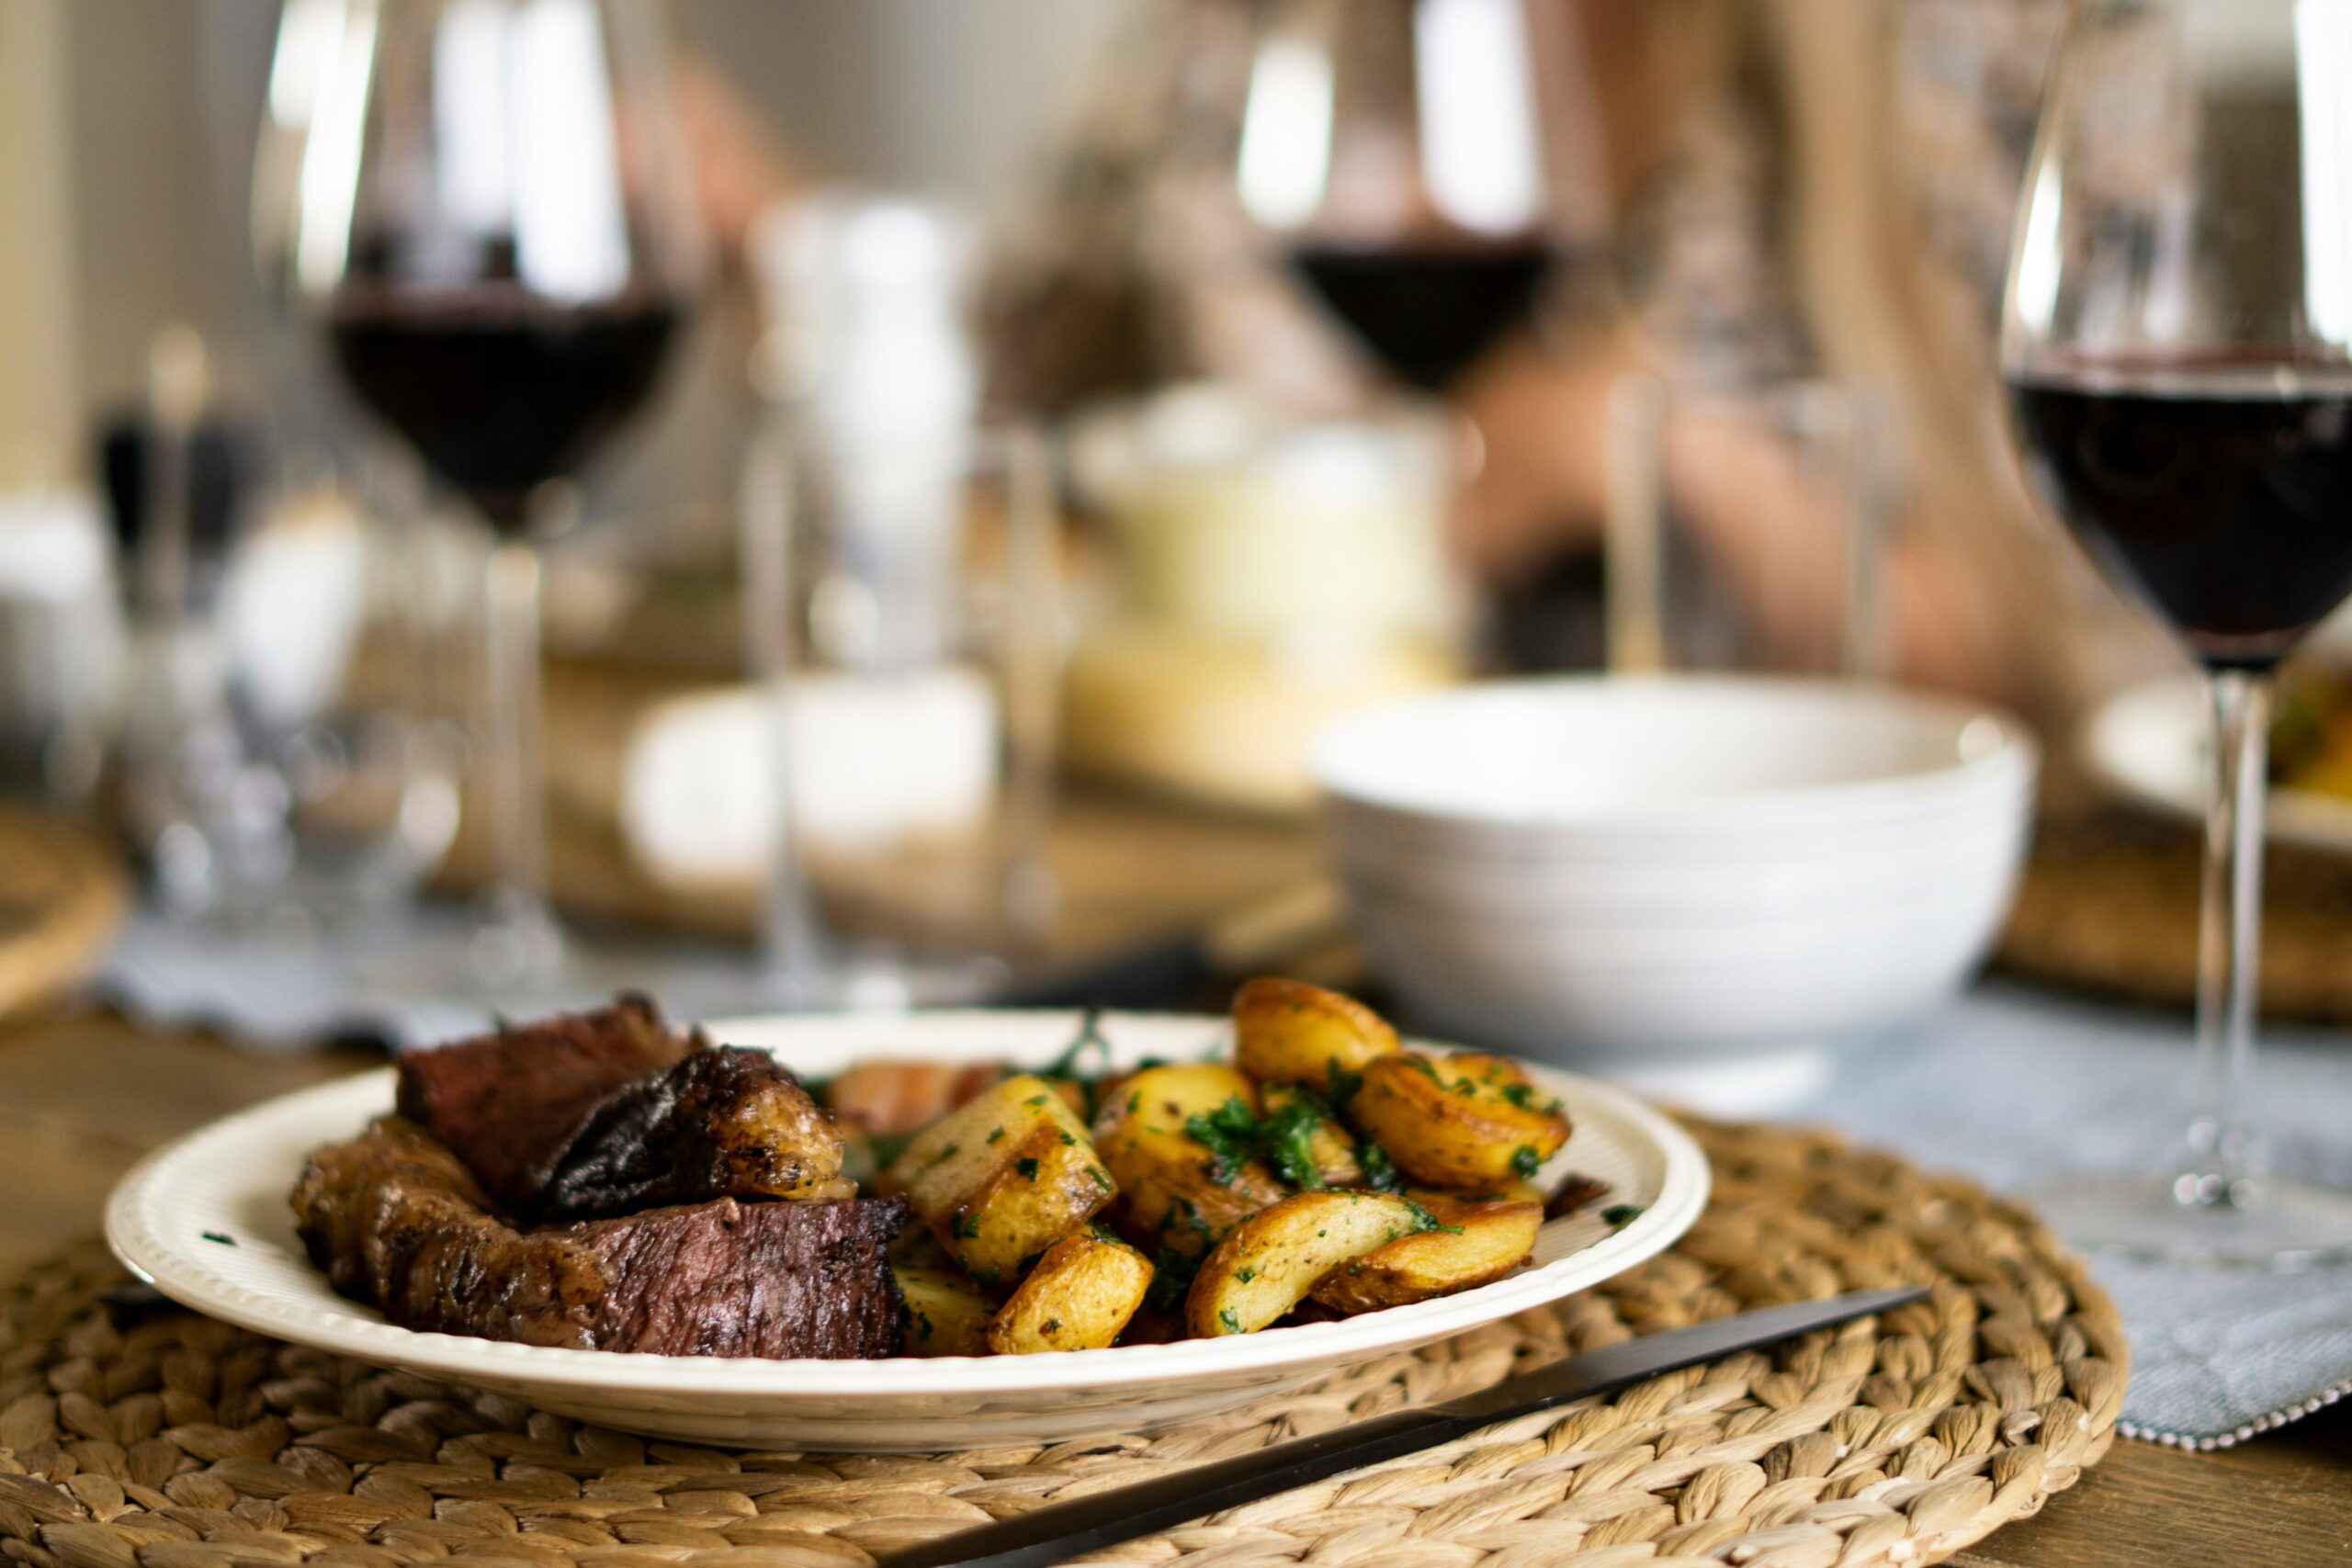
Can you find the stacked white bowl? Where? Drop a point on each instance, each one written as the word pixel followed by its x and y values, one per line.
pixel 1698 883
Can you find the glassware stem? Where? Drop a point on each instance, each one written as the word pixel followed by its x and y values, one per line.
pixel 2225 1163
pixel 519 940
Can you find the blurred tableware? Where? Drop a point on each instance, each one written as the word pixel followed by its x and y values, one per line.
pixel 61 902
pixel 207 815
pixel 60 644
pixel 900 621
pixel 1701 885
pixel 2176 336
pixel 1746 526
pixel 1427 165
pixel 494 229
pixel 231 1178
pixel 1271 572
pixel 2154 745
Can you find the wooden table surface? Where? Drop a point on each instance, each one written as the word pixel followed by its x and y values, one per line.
pixel 84 1093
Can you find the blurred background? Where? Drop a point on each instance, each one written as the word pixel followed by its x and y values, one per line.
pixel 998 441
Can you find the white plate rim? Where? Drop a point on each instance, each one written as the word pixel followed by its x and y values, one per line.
pixel 178 1272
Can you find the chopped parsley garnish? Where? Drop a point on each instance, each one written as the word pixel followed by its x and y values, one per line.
pixel 1343 1083
pixel 1619 1216
pixel 1090 1038
pixel 1229 1133
pixel 1232 1324
pixel 1380 1172
pixel 1101 1178
pixel 1428 1221
pixel 1525 1162
pixel 1050 1326
pixel 215 1236
pixel 1027 1168
pixel 1172 1277
pixel 996 1135
pixel 1035 1101
pixel 1245 1274
pixel 1422 1065
pixel 967 1226
pixel 1287 1137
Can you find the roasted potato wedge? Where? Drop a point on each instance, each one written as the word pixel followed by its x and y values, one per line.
pixel 1177 1194
pixel 1079 1297
pixel 1289 1031
pixel 946 1314
pixel 1475 1243
pixel 1463 1121
pixel 1003 1177
pixel 1328 1147
pixel 1273 1258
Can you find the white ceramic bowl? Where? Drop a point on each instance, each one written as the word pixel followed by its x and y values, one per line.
pixel 1630 873
pixel 231 1180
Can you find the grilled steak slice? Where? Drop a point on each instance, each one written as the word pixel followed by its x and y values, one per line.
pixel 395 1218
pixel 722 1123
pixel 509 1104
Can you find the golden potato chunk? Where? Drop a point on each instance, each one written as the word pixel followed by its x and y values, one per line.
pixel 946 1314
pixel 1273 1258
pixel 1475 1243
pixel 1003 1177
pixel 1289 1031
pixel 1464 1120
pixel 1178 1192
pixel 1301 1123
pixel 1079 1297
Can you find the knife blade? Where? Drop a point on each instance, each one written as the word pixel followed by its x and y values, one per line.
pixel 1062 1530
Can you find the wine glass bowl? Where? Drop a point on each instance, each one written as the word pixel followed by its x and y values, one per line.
pixel 1425 164
pixel 2177 341
pixel 493 230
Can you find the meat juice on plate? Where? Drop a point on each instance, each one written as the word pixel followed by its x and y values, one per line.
pixel 2219 489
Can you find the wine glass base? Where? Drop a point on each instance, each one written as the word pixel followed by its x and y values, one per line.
pixel 2288 1226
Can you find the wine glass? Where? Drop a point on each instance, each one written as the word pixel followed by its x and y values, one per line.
pixel 492 229
pixel 2177 346
pixel 1427 166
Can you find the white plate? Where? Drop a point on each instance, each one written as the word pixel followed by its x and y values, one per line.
pixel 2152 744
pixel 231 1178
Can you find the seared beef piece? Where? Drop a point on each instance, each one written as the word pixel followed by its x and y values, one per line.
pixel 509 1104
pixel 722 1123
pixel 394 1218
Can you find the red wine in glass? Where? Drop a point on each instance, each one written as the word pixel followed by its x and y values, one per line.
pixel 497 390
pixel 2220 491
pixel 1428 309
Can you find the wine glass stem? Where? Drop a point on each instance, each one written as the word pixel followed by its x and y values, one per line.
pixel 2225 1157
pixel 517 796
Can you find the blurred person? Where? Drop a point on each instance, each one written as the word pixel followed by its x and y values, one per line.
pixel 1803 189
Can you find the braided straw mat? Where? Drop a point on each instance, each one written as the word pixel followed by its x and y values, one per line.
pixel 166 1440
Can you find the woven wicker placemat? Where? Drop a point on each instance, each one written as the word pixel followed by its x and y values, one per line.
pixel 166 1440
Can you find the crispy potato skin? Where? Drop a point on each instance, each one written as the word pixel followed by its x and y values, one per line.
pixel 1172 1198
pixel 1495 1238
pixel 1333 1150
pixel 1289 1031
pixel 1079 1297
pixel 1452 1121
pixel 946 1314
pixel 1273 1258
pixel 1003 1177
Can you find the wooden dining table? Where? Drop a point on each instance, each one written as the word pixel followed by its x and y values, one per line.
pixel 84 1091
